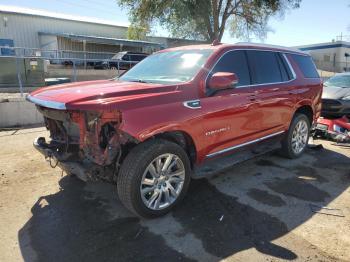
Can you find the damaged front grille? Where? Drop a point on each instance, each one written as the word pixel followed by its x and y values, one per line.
pixel 91 139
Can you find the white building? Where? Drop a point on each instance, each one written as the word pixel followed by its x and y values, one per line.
pixel 30 28
pixel 330 56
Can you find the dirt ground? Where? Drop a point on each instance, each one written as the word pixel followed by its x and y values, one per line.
pixel 267 208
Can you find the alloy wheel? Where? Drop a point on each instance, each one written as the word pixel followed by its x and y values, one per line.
pixel 162 181
pixel 300 136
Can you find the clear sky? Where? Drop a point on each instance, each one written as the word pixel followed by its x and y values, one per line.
pixel 315 21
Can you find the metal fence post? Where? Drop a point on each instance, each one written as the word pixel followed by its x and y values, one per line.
pixel 74 72
pixel 118 69
pixel 84 48
pixel 19 76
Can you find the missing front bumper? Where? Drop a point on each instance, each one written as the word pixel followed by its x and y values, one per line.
pixel 83 171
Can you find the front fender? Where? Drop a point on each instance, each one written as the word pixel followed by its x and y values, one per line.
pixel 144 123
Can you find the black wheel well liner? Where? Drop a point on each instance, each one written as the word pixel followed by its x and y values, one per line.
pixel 184 140
pixel 180 138
pixel 306 110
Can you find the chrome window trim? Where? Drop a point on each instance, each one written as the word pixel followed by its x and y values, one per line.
pixel 45 103
pixel 243 144
pixel 248 49
pixel 289 65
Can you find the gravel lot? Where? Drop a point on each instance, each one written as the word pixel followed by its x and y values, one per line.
pixel 267 208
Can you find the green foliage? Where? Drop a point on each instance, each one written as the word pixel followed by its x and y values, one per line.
pixel 137 31
pixel 206 19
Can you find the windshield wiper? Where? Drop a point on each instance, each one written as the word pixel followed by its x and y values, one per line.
pixel 137 80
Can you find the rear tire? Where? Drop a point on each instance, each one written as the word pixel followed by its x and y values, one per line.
pixel 153 178
pixel 297 137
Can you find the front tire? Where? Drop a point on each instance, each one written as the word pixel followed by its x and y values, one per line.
pixel 295 141
pixel 153 178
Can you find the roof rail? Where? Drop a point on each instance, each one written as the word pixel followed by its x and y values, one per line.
pixel 270 46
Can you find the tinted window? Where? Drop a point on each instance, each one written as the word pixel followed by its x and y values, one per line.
pixel 306 66
pixel 234 62
pixel 126 58
pixel 138 57
pixel 265 66
pixel 133 57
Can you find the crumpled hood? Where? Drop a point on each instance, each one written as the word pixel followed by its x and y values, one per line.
pixel 102 94
pixel 334 92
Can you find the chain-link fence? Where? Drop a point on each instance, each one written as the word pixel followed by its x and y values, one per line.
pixel 22 68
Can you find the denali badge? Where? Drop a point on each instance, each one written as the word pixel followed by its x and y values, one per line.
pixel 213 132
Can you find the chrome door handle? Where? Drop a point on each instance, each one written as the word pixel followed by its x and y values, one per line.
pixel 252 97
pixel 193 104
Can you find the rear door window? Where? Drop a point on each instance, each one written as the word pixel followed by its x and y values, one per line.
pixel 265 67
pixel 134 57
pixel 306 66
pixel 126 57
pixel 234 62
pixel 138 57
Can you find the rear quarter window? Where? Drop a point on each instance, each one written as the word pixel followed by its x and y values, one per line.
pixel 306 66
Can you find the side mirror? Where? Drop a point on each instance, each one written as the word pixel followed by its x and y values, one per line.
pixel 222 80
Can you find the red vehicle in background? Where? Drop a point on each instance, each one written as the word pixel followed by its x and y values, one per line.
pixel 334 123
pixel 180 114
pixel 337 129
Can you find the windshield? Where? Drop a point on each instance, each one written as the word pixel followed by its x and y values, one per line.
pixel 168 67
pixel 118 56
pixel 339 81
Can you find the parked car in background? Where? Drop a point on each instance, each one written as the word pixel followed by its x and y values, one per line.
pixel 337 129
pixel 122 60
pixel 336 96
pixel 179 114
pixel 79 62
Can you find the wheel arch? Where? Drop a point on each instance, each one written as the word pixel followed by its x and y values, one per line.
pixel 306 110
pixel 181 138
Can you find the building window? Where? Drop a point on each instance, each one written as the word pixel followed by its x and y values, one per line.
pixel 327 58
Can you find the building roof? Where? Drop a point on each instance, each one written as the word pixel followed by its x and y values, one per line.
pixel 327 45
pixel 49 14
pixel 104 40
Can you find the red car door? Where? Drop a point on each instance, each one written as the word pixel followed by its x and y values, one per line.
pixel 232 116
pixel 271 83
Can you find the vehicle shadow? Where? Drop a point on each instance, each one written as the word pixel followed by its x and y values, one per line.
pixel 87 222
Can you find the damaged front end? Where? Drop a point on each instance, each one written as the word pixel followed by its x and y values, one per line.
pixel 84 143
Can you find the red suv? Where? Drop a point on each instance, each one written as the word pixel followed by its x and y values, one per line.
pixel 181 113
